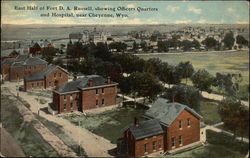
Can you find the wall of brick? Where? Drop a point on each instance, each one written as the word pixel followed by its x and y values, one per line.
pixel 131 143
pixel 69 98
pixel 139 145
pixel 31 85
pixel 89 97
pixel 189 134
pixel 57 74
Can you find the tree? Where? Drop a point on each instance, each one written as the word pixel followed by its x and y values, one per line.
pixel 153 65
pixel 196 44
pixel 48 54
pixel 241 41
pixel 146 85
pixel 186 45
pixel 229 84
pixel 119 46
pixel 235 116
pixel 187 95
pixel 186 69
pixel 210 42
pixel 202 80
pixel 229 40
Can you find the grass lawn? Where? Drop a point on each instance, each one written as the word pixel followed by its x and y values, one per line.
pixel 219 146
pixel 246 134
pixel 26 135
pixel 109 123
pixel 208 110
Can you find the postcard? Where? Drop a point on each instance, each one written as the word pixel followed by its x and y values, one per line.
pixel 124 78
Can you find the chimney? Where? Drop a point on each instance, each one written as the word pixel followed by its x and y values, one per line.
pixel 136 122
pixel 108 80
pixel 91 83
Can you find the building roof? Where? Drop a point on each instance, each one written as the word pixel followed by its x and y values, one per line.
pixel 24 60
pixel 8 61
pixel 146 129
pixel 34 61
pixel 45 72
pixel 167 112
pixel 81 83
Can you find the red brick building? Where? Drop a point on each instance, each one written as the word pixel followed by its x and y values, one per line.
pixel 37 47
pixel 50 77
pixel 85 93
pixel 14 69
pixel 170 126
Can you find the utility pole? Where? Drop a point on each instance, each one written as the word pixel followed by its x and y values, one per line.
pixel 79 141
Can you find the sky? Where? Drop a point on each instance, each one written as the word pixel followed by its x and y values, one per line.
pixel 173 12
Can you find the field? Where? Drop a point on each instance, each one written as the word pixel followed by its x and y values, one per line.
pixel 108 124
pixel 229 62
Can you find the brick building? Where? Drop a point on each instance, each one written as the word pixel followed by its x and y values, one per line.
pixel 14 69
pixel 39 46
pixel 85 93
pixel 169 126
pixel 50 77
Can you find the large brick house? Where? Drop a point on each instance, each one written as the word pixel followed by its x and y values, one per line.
pixel 85 93
pixel 169 126
pixel 14 69
pixel 50 77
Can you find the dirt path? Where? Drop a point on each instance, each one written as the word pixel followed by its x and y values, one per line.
pixel 94 145
pixel 47 135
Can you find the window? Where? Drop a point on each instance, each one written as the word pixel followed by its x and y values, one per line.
pixel 54 74
pixel 154 145
pixel 145 148
pixel 188 122
pixel 64 97
pixel 173 142
pixel 71 106
pixel 96 102
pixel 32 84
pixel 96 91
pixel 49 83
pixel 60 74
pixel 102 101
pixel 180 140
pixel 102 90
pixel 180 124
pixel 37 84
pixel 65 107
pixel 159 143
